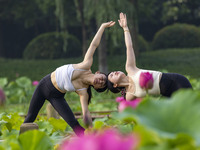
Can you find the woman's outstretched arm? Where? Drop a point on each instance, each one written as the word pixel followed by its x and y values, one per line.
pixel 130 60
pixel 84 105
pixel 88 59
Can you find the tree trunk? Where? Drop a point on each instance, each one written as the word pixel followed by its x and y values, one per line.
pixel 60 13
pixel 84 38
pixel 102 56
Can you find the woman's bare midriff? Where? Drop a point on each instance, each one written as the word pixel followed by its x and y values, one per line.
pixel 53 80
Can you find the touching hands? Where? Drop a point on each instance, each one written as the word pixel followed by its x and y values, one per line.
pixel 108 24
pixel 122 21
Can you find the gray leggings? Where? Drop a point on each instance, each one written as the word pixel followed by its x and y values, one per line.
pixel 46 91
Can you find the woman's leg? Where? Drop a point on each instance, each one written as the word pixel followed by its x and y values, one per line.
pixel 41 92
pixel 66 113
pixel 36 103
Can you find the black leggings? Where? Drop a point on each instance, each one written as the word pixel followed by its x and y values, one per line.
pixel 171 82
pixel 46 91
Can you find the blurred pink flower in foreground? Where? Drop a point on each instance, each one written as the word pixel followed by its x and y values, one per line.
pixel 2 97
pixel 108 140
pixel 123 103
pixel 35 83
pixel 146 80
pixel 120 99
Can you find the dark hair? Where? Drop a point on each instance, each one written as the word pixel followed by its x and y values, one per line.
pixel 113 89
pixel 89 94
pixel 98 90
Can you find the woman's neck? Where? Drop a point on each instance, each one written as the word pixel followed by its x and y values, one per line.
pixel 88 79
pixel 124 82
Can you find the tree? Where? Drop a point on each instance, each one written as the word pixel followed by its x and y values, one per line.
pixel 103 11
pixel 186 11
pixel 149 16
pixel 21 21
pixel 81 16
pixel 134 26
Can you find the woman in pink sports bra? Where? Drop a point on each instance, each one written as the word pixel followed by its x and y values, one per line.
pixel 70 78
pixel 164 83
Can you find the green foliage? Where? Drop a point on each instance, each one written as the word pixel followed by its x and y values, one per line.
pixel 119 48
pixel 51 46
pixel 180 11
pixel 9 123
pixel 177 36
pixel 176 124
pixel 58 124
pixel 103 11
pixel 34 139
pixel 3 82
pixel 98 124
pixel 181 61
pixel 18 91
pixel 143 45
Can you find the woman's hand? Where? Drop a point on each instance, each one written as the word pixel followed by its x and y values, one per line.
pixel 108 24
pixel 87 120
pixel 122 21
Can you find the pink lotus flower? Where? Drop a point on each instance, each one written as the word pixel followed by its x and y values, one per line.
pixel 35 83
pixel 124 104
pixel 2 97
pixel 108 140
pixel 146 80
pixel 120 99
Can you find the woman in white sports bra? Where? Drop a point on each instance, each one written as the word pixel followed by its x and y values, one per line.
pixel 70 78
pixel 164 83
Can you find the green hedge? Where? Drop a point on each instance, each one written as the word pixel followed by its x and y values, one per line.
pixel 51 46
pixel 143 45
pixel 177 36
pixel 183 61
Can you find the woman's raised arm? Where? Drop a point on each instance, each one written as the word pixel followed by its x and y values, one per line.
pixel 88 59
pixel 130 55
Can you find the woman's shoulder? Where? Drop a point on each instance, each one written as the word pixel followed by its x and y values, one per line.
pixel 80 66
pixel 134 72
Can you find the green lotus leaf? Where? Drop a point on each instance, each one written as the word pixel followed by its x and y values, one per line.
pixel 3 82
pixel 169 117
pixel 35 140
pixel 23 82
pixel 58 124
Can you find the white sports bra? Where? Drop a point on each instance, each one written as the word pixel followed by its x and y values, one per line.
pixel 139 92
pixel 64 76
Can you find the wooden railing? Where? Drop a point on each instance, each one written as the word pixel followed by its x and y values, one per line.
pixel 94 114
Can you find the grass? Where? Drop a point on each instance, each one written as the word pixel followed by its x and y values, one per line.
pixel 183 61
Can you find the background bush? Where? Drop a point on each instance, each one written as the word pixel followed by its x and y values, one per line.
pixel 120 48
pixel 143 45
pixel 183 61
pixel 177 36
pixel 50 46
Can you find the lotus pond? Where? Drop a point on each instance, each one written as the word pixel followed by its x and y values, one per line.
pixel 155 123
